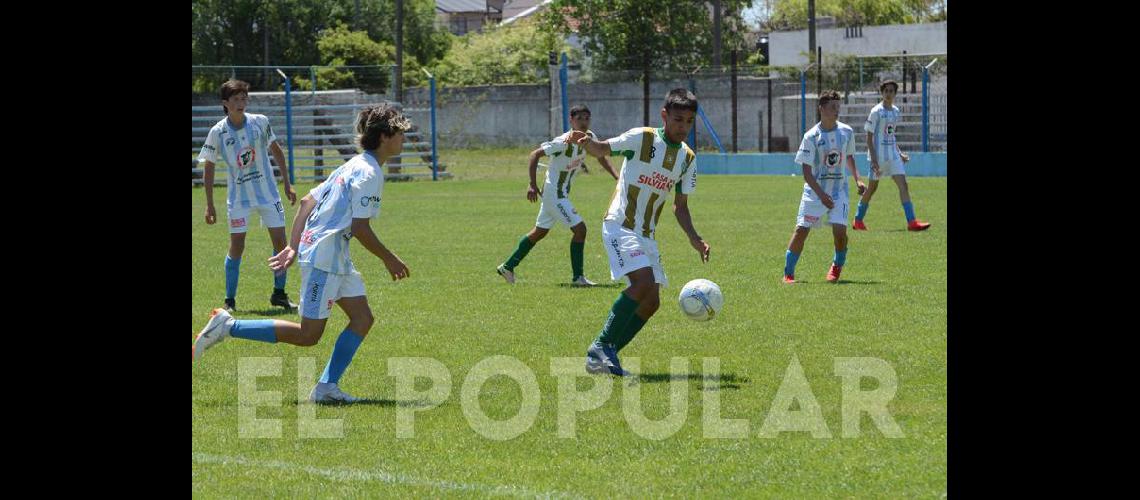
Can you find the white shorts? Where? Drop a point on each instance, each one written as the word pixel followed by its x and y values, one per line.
pixel 812 211
pixel 272 215
pixel 560 210
pixel 629 251
pixel 320 289
pixel 888 169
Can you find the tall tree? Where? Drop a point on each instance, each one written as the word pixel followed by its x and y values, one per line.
pixel 650 36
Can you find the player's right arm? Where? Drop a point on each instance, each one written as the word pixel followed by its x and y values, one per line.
pixel 207 157
pixel 532 191
pixel 208 185
pixel 805 154
pixel 594 147
pixel 810 180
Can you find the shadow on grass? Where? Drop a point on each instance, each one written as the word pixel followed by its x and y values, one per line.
pixel 725 380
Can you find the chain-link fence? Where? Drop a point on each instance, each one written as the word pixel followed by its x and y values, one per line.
pixel 315 122
pixel 742 109
pixel 751 109
pixel 921 97
pixel 380 79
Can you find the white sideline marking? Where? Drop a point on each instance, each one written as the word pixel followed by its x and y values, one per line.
pixel 377 475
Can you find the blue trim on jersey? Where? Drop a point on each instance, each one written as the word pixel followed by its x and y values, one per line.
pixel 337 214
pixel 839 140
pixel 234 197
pixel 338 250
pixel 270 180
pixel 251 140
pixel 314 286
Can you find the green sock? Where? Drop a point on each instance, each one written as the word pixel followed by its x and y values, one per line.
pixel 524 248
pixel 576 249
pixel 619 317
pixel 631 329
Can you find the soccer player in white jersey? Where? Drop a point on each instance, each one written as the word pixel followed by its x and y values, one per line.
pixel 887 160
pixel 333 213
pixel 241 140
pixel 821 155
pixel 565 161
pixel 657 162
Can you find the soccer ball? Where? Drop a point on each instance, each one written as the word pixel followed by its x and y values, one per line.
pixel 701 300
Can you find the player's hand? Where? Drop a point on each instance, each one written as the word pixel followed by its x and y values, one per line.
pixel 860 187
pixel 291 194
pixel 397 268
pixel 211 216
pixel 577 137
pixel 875 168
pixel 827 201
pixel 283 259
pixel 532 193
pixel 905 157
pixel 701 246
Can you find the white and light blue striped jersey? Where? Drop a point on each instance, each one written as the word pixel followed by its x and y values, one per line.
pixel 352 192
pixel 826 151
pixel 565 161
pixel 245 152
pixel 883 122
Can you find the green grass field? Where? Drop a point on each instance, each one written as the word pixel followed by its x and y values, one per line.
pixel 890 305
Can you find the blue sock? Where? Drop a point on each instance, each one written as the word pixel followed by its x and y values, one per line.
pixel 861 211
pixel 260 330
pixel 342 354
pixel 908 207
pixel 790 260
pixel 232 266
pixel 840 257
pixel 279 279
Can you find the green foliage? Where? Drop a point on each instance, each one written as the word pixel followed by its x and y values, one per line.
pixel 515 53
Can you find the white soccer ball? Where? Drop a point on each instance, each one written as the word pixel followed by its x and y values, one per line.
pixel 701 300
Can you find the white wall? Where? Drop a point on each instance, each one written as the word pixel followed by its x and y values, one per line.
pixel 785 47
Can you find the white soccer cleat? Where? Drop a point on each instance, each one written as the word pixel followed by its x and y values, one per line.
pixel 506 274
pixel 330 393
pixel 582 281
pixel 603 358
pixel 215 331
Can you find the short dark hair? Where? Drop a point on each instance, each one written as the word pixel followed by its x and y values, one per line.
pixel 680 99
pixel 232 87
pixel 827 96
pixel 883 86
pixel 379 119
pixel 578 108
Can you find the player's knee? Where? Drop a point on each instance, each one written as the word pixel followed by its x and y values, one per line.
pixel 579 232
pixel 311 333
pixel 361 322
pixel 309 339
pixel 537 234
pixel 652 301
pixel 646 291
